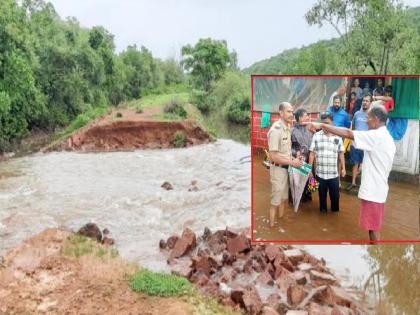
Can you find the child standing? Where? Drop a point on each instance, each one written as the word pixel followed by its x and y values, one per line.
pixel 325 150
pixel 352 103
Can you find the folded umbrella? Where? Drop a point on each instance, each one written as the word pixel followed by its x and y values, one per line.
pixel 298 176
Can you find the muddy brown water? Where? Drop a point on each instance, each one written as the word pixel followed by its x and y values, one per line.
pixel 121 191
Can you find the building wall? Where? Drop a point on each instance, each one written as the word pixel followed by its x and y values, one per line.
pixel 406 158
pixel 259 135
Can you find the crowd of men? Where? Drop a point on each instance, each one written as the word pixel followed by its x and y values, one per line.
pixel 322 146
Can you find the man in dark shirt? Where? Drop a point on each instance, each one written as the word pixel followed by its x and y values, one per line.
pixel 301 142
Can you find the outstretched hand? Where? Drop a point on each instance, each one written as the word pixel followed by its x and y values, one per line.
pixel 313 126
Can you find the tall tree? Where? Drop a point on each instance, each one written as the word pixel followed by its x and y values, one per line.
pixel 142 70
pixel 368 30
pixel 207 61
pixel 21 102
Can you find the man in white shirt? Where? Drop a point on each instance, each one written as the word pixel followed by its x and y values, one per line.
pixel 379 151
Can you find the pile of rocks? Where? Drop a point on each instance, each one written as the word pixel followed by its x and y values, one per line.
pixel 261 279
pixel 92 230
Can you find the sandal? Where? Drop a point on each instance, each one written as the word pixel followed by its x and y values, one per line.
pixel 350 187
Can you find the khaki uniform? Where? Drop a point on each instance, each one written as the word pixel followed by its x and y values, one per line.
pixel 279 139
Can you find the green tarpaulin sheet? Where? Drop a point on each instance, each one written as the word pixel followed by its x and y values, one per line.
pixel 265 119
pixel 406 97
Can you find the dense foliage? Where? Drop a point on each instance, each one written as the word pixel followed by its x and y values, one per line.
pixel 375 37
pixel 52 70
pixel 217 84
pixel 55 73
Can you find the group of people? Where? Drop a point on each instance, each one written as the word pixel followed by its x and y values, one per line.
pixel 321 145
pixel 353 115
pixel 381 94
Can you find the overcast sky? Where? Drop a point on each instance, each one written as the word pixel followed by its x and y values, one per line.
pixel 254 29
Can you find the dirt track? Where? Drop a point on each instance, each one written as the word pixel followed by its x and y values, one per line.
pixel 132 131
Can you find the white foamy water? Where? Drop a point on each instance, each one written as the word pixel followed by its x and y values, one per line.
pixel 122 191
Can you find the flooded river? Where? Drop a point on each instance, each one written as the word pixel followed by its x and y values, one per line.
pixel 121 191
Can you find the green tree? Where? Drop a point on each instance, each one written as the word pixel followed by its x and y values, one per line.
pixel 172 71
pixel 21 102
pixel 207 61
pixel 368 30
pixel 232 95
pixel 233 84
pixel 117 82
pixel 142 71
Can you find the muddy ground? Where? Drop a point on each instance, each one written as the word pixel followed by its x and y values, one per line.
pixel 38 278
pixel 46 275
pixel 126 129
pixel 401 221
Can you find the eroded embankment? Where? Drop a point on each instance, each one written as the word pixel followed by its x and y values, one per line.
pixel 130 135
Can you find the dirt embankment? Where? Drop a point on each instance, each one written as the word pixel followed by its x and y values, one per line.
pixel 38 278
pixel 128 130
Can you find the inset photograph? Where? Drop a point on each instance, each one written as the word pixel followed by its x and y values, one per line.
pixel 335 158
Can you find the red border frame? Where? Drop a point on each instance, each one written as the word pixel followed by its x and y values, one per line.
pixel 253 76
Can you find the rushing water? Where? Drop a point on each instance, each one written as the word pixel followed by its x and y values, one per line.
pixel 121 191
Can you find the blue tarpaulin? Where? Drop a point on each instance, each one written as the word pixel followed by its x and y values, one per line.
pixel 397 127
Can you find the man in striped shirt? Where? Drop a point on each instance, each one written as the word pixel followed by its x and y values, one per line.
pixel 325 150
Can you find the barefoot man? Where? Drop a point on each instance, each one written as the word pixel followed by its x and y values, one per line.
pixel 280 149
pixel 379 151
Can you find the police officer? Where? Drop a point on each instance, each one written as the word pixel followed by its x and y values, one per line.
pixel 280 149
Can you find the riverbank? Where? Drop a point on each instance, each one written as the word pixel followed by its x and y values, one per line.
pixel 125 129
pixel 125 119
pixel 58 272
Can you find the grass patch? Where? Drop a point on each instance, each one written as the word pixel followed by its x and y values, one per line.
pixel 176 106
pixel 170 89
pixel 160 284
pixel 155 100
pixel 79 245
pixel 204 305
pixel 80 121
pixel 217 125
pixel 195 113
pixel 167 117
pixel 165 285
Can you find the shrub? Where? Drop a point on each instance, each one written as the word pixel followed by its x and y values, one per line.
pixel 233 84
pixel 176 107
pixel 161 284
pixel 239 110
pixel 179 139
pixel 119 115
pixel 79 245
pixel 201 100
